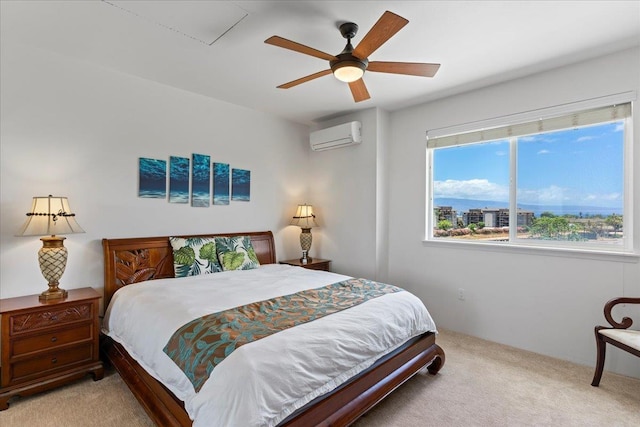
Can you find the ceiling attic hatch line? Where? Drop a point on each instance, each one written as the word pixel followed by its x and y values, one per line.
pixel 229 29
pixel 204 22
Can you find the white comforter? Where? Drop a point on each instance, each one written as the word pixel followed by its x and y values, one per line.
pixel 261 383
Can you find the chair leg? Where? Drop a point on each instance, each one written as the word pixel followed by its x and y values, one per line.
pixel 601 348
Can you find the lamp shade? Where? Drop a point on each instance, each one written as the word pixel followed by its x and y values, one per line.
pixel 304 217
pixel 50 215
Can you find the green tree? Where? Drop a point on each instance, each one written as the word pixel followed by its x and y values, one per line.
pixel 547 214
pixel 550 228
pixel 445 225
pixel 614 221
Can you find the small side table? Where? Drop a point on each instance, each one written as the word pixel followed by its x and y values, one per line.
pixel 315 264
pixel 48 343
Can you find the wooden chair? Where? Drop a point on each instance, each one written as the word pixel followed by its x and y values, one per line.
pixel 618 335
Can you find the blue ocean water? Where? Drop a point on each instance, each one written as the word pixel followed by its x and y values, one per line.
pixel 201 167
pixel 179 168
pixel 200 180
pixel 240 185
pixel 178 180
pixel 152 175
pixel 220 183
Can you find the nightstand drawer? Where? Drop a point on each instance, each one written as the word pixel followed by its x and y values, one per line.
pixel 28 322
pixel 38 366
pixel 52 339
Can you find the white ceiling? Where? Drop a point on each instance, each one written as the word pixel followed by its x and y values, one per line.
pixel 217 49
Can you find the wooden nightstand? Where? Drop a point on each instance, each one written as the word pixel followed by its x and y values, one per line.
pixel 315 264
pixel 46 344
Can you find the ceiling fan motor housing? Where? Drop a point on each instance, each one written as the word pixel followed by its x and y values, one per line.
pixel 348 60
pixel 346 57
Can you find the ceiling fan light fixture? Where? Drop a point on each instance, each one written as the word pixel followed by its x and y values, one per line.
pixel 348 73
pixel 348 70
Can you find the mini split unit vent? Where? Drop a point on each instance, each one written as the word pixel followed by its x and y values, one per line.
pixel 336 137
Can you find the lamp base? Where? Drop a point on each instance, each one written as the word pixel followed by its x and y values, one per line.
pixel 53 294
pixel 52 257
pixel 305 244
pixel 305 258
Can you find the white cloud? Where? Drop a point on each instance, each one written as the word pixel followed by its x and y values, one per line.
pixel 555 195
pixel 483 189
pixel 471 189
pixel 586 138
pixel 544 152
pixel 609 196
pixel 552 195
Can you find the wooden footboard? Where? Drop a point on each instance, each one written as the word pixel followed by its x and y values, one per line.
pixel 340 407
pixel 350 401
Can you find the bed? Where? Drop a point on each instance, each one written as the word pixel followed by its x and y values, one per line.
pixel 148 264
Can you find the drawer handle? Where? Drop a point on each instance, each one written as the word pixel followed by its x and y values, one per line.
pixel 54 360
pixel 54 339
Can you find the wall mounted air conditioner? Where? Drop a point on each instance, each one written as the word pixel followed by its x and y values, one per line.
pixel 336 137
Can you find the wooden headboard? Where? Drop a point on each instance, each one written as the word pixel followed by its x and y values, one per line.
pixel 132 260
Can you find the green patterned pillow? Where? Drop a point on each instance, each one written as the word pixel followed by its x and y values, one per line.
pixel 236 253
pixel 193 256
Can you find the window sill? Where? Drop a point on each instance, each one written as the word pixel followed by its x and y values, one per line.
pixel 630 257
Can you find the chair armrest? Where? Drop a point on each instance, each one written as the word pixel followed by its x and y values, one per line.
pixel 626 321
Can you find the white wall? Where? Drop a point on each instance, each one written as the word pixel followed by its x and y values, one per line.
pixel 545 303
pixel 73 129
pixel 351 199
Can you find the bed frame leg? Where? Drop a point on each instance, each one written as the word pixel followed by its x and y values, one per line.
pixel 438 361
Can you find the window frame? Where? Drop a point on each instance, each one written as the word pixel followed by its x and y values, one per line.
pixel 627 251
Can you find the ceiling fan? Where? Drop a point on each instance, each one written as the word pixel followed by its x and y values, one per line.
pixel 350 64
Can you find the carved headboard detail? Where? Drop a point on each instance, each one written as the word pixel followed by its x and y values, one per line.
pixel 133 260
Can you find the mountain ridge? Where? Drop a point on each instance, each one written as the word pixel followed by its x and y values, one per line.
pixel 463 205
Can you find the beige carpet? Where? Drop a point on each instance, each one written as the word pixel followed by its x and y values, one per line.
pixel 481 384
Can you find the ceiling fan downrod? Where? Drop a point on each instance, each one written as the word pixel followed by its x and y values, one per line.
pixel 347 67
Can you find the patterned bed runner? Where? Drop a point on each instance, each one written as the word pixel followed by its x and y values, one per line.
pixel 200 345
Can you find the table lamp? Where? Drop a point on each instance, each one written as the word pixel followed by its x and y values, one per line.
pixel 51 216
pixel 305 219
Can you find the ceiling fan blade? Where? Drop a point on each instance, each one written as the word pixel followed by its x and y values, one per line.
pixel 359 90
pixel 388 24
pixel 304 79
pixel 410 68
pixel 297 47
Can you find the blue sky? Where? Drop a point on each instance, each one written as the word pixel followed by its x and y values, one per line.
pixel 581 166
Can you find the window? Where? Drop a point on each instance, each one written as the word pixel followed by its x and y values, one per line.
pixel 558 180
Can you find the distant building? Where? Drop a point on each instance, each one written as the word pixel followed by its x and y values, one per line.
pixel 472 216
pixel 448 213
pixel 525 218
pixel 495 217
